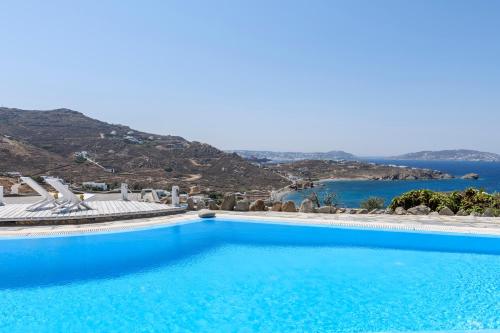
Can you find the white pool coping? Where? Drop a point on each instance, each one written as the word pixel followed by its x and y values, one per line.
pixel 449 224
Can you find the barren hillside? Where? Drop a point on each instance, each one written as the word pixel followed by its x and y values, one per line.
pixel 45 142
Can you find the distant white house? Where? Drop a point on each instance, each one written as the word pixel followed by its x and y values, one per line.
pixel 132 139
pixel 13 174
pixel 82 155
pixel 109 169
pixel 95 186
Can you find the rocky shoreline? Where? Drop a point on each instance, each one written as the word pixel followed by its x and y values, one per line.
pixel 233 202
pixel 310 174
pixel 304 173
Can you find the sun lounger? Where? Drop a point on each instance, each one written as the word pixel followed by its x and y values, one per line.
pixel 149 195
pixel 48 199
pixel 69 199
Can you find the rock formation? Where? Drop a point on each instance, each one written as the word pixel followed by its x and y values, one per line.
pixel 228 202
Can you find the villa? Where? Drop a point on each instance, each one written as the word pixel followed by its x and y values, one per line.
pixel 250 166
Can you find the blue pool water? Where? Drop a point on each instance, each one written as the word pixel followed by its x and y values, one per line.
pixel 352 193
pixel 230 276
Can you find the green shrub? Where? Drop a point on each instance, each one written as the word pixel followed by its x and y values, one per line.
pixel 80 159
pixel 411 199
pixel 216 196
pixel 470 200
pixel 373 203
pixel 313 196
pixel 331 199
pixel 38 179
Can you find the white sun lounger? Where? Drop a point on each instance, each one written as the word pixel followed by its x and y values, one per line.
pixel 149 195
pixel 69 199
pixel 48 199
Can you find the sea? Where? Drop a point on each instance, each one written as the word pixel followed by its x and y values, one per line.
pixel 350 193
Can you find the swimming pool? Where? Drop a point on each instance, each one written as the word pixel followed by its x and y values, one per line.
pixel 232 276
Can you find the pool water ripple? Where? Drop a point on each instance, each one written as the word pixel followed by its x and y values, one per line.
pixel 250 277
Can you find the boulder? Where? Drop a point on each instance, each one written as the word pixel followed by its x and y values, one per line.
pixel 190 204
pixel 277 207
pixel 362 211
pixel 212 205
pixel 400 211
pixel 324 210
pixel 205 213
pixel 351 211
pixel 289 207
pixel 242 206
pixel 489 212
pixel 340 210
pixel 201 205
pixel 228 202
pixel 194 190
pixel 475 214
pixel 258 206
pixel 445 211
pixel 472 175
pixel 419 210
pixel 306 206
pixel 462 212
pixel 434 214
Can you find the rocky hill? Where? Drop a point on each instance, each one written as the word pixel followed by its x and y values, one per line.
pixel 70 145
pixel 451 155
pixel 315 170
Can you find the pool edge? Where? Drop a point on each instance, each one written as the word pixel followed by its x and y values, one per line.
pixel 385 223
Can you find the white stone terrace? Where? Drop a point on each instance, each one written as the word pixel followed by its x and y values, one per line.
pixel 101 211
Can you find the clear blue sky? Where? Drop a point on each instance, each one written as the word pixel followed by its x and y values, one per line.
pixel 369 77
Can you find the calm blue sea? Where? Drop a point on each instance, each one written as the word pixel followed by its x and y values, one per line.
pixel 351 193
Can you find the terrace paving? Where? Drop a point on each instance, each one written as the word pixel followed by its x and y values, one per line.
pixel 22 214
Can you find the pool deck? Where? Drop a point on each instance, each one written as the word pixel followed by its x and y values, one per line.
pixel 21 214
pixel 448 224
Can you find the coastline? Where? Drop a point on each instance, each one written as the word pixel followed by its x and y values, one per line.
pixel 353 191
pixel 332 180
pixel 328 180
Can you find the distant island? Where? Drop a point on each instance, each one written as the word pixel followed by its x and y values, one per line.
pixel 339 155
pixel 276 156
pixel 451 155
